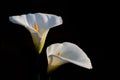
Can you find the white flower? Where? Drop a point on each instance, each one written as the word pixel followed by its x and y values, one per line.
pixel 38 24
pixel 61 53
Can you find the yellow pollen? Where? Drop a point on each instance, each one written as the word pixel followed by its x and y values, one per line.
pixel 58 54
pixel 36 27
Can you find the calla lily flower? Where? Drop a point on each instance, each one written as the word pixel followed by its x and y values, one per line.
pixel 61 53
pixel 38 24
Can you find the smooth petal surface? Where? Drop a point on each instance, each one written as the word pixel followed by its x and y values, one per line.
pixel 60 53
pixel 44 21
pixel 21 20
pixel 38 24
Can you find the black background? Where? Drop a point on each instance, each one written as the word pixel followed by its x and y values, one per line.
pixel 84 23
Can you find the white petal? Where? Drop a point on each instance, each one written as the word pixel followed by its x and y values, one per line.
pixel 19 20
pixel 53 20
pixel 31 20
pixel 22 20
pixel 69 53
pixel 44 21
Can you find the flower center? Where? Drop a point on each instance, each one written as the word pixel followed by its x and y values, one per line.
pixel 59 54
pixel 36 27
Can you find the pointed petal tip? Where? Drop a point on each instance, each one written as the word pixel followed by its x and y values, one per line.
pixel 60 18
pixel 10 18
pixel 89 66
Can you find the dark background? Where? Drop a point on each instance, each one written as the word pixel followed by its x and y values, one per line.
pixel 84 23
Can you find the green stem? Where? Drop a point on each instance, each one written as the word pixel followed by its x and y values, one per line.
pixel 38 77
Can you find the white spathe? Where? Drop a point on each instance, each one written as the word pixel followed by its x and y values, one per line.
pixel 38 24
pixel 60 53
